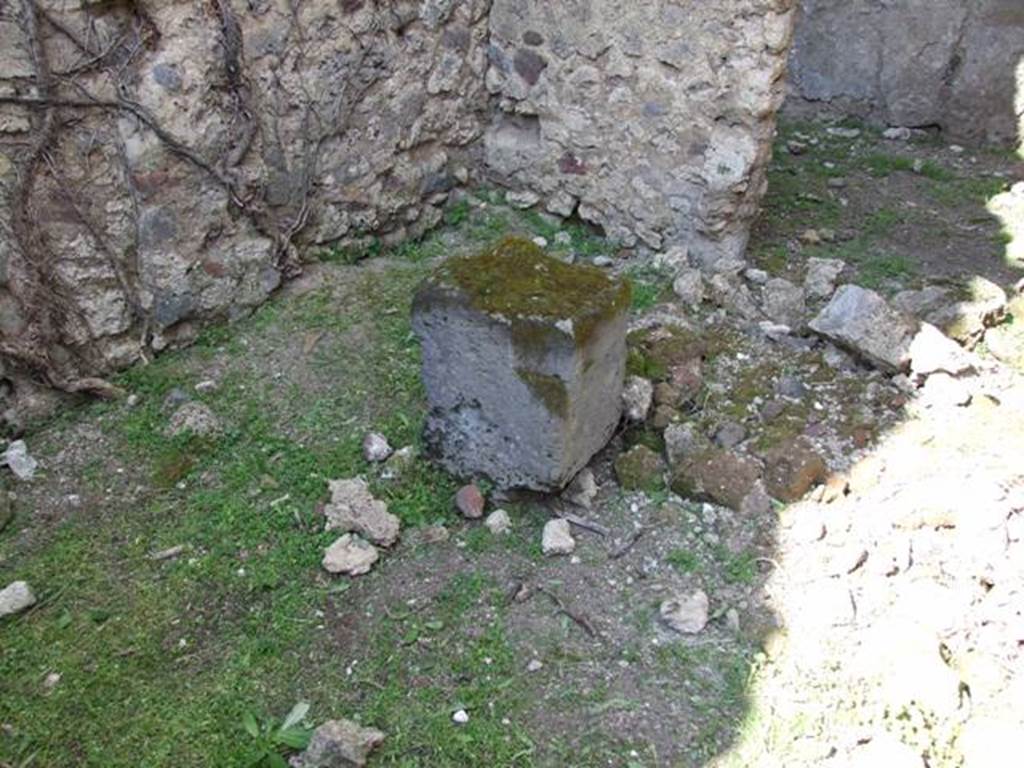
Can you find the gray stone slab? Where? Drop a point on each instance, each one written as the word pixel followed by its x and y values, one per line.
pixel 524 360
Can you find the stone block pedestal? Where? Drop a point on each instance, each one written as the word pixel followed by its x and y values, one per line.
pixel 523 360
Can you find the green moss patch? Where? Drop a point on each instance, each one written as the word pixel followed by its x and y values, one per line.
pixel 550 390
pixel 515 278
pixel 654 352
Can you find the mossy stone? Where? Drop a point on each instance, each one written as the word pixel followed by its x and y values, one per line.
pixel 523 361
pixel 721 477
pixel 793 467
pixel 655 352
pixel 517 280
pixel 640 469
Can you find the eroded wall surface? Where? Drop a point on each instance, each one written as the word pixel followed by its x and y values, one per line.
pixel 652 119
pixel 955 64
pixel 166 161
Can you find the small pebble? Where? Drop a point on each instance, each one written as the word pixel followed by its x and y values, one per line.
pixel 376 448
pixel 470 502
pixel 461 717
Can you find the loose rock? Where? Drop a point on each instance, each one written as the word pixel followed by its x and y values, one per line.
pixel 683 442
pixel 898 133
pixel 689 286
pixel 687 613
pixel 734 296
pixel 862 321
pixel 966 320
pixel 942 390
pixel 719 476
pixel 640 469
pixel 791 387
pixel 469 501
pixel 932 351
pixel 19 461
pixel 350 555
pixel 792 468
pixel 498 522
pixel 663 416
pixel 756 276
pixel 353 509
pixel 637 398
pixel 15 598
pixel 376 448
pixel 820 281
pixel 582 490
pixel 921 303
pixel 557 538
pixel 673 260
pixel 666 394
pixel 783 302
pixel 398 463
pixel 522 199
pixel 730 434
pixel 194 418
pixel 339 743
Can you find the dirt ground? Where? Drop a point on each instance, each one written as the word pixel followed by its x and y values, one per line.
pixel 882 626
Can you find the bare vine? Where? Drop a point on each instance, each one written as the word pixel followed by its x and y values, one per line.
pixel 59 97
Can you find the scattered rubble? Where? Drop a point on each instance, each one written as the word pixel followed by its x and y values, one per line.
pixel 350 555
pixel 640 468
pixel 470 502
pixel 689 287
pixel 196 419
pixel 400 462
pixel 498 522
pixel 15 598
pixel 822 274
pixel 557 538
pixel 582 490
pixel 353 509
pixel 637 398
pixel 862 321
pixel 792 468
pixel 686 613
pixel 784 302
pixel 932 351
pixel 19 461
pixel 719 476
pixel 376 448
pixel 340 743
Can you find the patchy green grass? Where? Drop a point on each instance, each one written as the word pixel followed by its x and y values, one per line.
pixel 737 568
pixel 972 191
pixel 158 661
pixel 650 286
pixel 882 165
pixel 683 560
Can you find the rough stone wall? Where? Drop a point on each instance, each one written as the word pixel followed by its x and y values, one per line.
pixel 164 161
pixel 955 64
pixel 651 119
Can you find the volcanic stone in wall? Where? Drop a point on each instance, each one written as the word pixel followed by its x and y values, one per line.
pixel 524 359
pixel 652 120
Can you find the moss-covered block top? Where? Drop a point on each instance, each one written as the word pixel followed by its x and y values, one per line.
pixel 516 280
